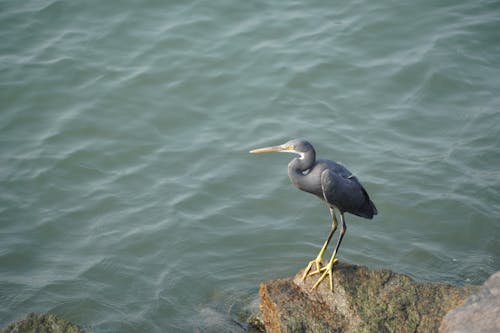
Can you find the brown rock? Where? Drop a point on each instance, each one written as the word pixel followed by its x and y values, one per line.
pixel 479 313
pixel 363 300
pixel 42 323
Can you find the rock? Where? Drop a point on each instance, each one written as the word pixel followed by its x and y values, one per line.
pixel 479 313
pixel 363 300
pixel 42 323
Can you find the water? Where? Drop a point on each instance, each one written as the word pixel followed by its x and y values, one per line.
pixel 129 202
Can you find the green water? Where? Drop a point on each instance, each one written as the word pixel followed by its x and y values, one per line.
pixel 129 202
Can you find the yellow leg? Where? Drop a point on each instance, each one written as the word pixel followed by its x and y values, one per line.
pixel 319 257
pixel 316 261
pixel 327 270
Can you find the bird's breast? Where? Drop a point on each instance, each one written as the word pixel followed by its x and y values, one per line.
pixel 308 181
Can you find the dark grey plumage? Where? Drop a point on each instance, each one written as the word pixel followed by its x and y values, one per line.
pixel 329 181
pixel 332 183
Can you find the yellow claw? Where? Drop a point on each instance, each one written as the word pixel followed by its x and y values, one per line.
pixel 317 261
pixel 327 271
pixel 309 267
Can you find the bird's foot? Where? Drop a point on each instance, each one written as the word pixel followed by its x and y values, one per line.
pixel 307 271
pixel 327 271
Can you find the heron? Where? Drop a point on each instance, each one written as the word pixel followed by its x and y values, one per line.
pixel 333 184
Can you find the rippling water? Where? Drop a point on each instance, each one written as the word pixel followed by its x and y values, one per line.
pixel 128 200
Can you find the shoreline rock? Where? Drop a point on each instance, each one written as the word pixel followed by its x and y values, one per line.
pixel 479 312
pixel 42 323
pixel 363 300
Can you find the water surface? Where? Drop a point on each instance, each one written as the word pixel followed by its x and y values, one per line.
pixel 129 202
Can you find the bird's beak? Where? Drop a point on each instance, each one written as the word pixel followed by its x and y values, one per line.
pixel 283 148
pixel 267 149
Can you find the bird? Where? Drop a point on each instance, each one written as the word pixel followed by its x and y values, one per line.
pixel 333 184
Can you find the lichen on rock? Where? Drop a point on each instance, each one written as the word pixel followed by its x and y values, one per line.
pixel 42 323
pixel 363 300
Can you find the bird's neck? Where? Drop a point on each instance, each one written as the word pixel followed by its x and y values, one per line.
pixel 298 171
pixel 301 165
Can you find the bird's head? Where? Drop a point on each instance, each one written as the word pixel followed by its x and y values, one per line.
pixel 295 146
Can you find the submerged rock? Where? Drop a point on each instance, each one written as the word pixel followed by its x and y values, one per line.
pixel 479 313
pixel 42 323
pixel 363 300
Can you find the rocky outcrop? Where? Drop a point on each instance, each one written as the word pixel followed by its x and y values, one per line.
pixel 479 313
pixel 42 323
pixel 363 300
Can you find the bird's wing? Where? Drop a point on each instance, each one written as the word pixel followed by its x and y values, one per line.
pixel 346 194
pixel 324 184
